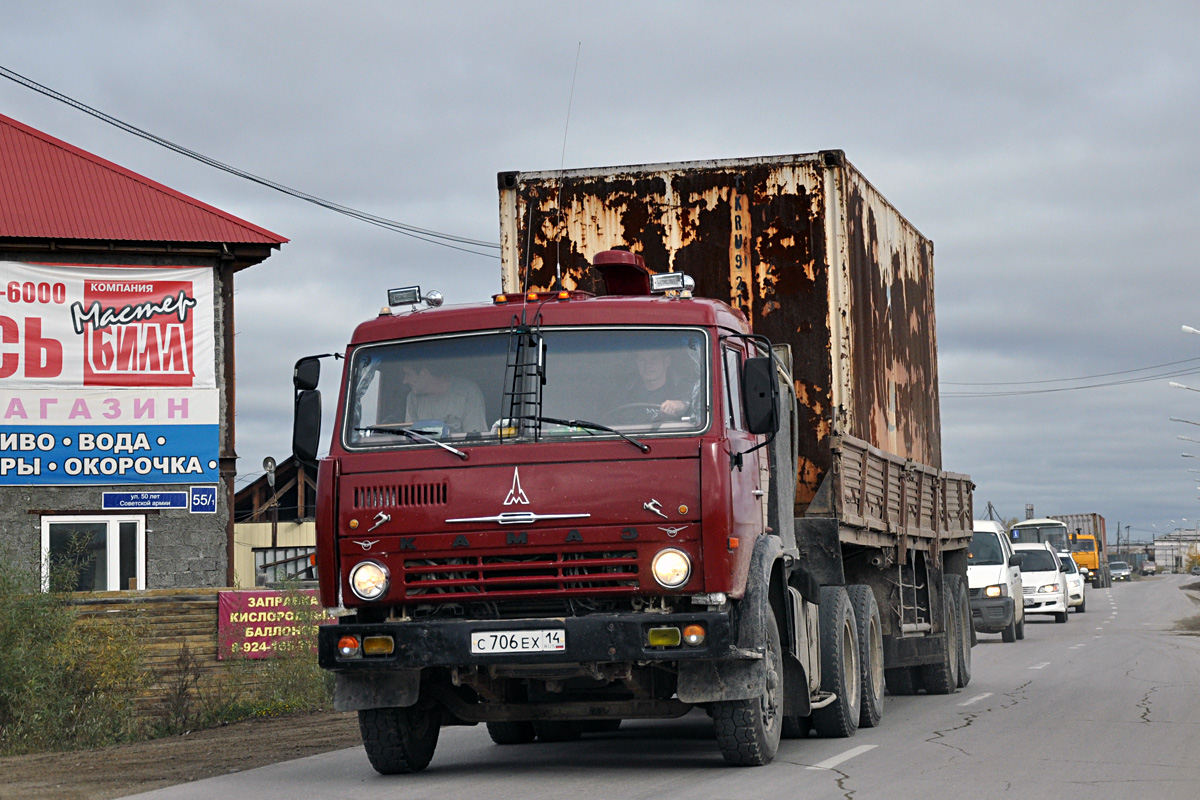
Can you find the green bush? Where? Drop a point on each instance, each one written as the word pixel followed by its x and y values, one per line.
pixel 64 683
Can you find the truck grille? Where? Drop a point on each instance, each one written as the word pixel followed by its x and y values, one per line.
pixel 508 575
pixel 402 496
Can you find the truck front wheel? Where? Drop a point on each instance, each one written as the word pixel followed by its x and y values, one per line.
pixel 400 740
pixel 748 731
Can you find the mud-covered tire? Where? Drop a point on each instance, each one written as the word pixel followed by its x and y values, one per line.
pixel 400 740
pixel 840 672
pixel 941 677
pixel 748 731
pixel 556 731
pixel 511 732
pixel 962 607
pixel 902 681
pixel 870 654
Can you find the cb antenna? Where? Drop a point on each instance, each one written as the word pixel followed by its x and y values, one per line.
pixel 561 165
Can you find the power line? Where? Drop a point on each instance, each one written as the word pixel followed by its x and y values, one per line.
pixel 1064 380
pixel 424 234
pixel 1105 384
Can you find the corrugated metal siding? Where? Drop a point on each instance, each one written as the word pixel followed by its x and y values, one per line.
pixel 50 189
pixel 761 234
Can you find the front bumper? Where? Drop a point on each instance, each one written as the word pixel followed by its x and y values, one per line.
pixel 1043 604
pixel 992 614
pixel 598 638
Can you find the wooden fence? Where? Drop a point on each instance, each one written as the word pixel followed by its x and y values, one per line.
pixel 177 638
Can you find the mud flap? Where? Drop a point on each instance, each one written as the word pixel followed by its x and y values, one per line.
pixel 361 691
pixel 738 679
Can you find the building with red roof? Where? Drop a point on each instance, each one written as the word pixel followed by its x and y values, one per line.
pixel 116 369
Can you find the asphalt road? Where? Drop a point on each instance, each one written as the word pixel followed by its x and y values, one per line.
pixel 1104 706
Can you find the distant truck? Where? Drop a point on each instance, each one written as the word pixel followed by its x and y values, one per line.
pixel 1081 543
pixel 1089 546
pixel 514 526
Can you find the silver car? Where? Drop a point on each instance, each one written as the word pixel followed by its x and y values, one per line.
pixel 1120 571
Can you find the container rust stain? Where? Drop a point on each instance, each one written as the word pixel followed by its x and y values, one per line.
pixel 803 245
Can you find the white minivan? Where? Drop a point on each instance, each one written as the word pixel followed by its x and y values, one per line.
pixel 1045 583
pixel 994 580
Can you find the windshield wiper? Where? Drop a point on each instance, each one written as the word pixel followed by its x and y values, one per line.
pixel 596 426
pixel 416 437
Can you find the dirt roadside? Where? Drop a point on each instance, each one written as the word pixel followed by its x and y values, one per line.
pixel 130 768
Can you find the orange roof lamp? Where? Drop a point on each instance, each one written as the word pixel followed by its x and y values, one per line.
pixel 623 272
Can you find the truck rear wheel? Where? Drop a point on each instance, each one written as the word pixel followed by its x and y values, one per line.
pixel 941 677
pixel 870 654
pixel 748 731
pixel 400 740
pixel 902 681
pixel 840 671
pixel 556 731
pixel 962 607
pixel 511 732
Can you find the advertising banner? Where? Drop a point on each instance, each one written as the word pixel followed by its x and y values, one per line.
pixel 107 375
pixel 262 622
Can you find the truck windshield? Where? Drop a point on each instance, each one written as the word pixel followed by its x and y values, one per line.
pixel 1082 545
pixel 462 388
pixel 1056 535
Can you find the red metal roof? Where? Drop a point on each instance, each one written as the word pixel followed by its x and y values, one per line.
pixel 50 189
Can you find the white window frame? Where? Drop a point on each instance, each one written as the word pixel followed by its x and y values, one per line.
pixel 112 545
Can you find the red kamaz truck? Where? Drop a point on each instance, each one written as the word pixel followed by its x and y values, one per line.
pixel 689 457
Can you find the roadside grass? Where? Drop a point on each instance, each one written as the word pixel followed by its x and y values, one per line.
pixel 64 683
pixel 72 682
pixel 1190 624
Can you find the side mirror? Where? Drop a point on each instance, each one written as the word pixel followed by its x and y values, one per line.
pixel 306 425
pixel 760 395
pixel 306 373
pixel 1015 560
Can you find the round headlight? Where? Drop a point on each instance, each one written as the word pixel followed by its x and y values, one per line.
pixel 671 568
pixel 369 580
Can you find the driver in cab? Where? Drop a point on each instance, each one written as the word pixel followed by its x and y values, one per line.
pixel 657 386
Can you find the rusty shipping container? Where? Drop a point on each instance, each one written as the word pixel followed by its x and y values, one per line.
pixel 804 245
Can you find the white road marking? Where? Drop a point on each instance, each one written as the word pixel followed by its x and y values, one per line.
pixel 830 763
pixel 1041 665
pixel 977 698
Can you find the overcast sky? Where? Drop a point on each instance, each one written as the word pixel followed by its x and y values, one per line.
pixel 1050 150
